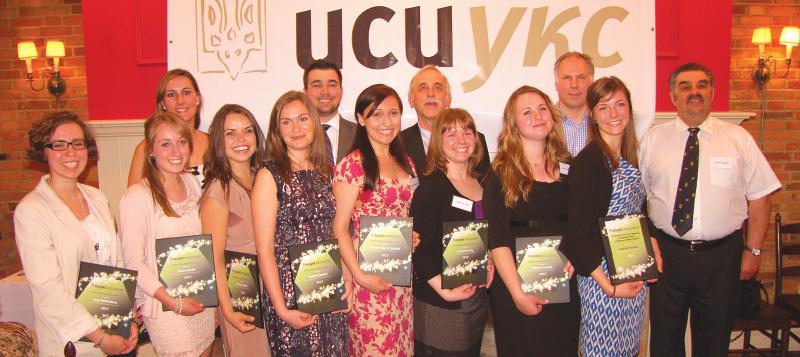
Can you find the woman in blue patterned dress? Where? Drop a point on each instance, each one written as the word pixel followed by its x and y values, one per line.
pixel 605 181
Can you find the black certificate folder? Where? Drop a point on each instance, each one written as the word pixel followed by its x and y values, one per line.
pixel 318 277
pixel 629 252
pixel 186 268
pixel 464 253
pixel 385 248
pixel 106 293
pixel 244 284
pixel 540 266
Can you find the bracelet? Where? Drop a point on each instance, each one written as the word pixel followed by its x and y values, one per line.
pixel 614 293
pixel 100 341
pixel 180 306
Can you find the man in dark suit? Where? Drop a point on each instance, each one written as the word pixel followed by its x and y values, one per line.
pixel 322 83
pixel 429 95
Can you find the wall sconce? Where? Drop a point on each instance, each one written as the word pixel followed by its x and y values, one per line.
pixel 26 51
pixel 762 36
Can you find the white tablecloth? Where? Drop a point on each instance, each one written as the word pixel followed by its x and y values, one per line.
pixel 15 300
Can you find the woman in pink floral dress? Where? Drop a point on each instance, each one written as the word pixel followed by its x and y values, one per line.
pixel 376 179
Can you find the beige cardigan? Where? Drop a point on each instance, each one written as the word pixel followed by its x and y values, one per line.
pixel 51 244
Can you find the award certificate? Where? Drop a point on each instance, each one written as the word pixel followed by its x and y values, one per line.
pixel 186 268
pixel 541 268
pixel 464 253
pixel 318 279
pixel 244 284
pixel 385 248
pixel 629 252
pixel 107 293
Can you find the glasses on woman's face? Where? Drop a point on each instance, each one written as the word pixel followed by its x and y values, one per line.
pixel 61 145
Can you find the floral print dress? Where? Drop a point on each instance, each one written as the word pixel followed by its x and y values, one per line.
pixel 380 324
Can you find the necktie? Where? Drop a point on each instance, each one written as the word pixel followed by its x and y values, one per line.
pixel 328 145
pixel 682 214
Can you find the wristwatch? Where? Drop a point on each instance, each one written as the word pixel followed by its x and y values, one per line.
pixel 754 251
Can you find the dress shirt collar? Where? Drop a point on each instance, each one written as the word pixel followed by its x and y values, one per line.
pixel 707 127
pixel 334 122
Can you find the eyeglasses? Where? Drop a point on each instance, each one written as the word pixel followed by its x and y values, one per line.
pixel 61 145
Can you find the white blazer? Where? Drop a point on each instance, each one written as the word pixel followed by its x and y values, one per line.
pixel 51 244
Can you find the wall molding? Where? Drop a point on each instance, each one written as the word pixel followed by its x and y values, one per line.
pixel 116 141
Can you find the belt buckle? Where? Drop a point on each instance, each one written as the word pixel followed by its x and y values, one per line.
pixel 694 244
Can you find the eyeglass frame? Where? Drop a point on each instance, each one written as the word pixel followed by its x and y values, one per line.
pixel 50 145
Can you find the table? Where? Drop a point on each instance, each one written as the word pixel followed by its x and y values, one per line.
pixel 16 302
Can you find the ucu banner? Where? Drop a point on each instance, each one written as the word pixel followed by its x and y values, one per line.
pixel 251 51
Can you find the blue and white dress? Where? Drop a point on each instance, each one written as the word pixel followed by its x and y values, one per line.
pixel 613 326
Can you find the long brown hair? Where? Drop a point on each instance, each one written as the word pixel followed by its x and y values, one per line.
pixel 152 175
pixel 216 165
pixel 162 89
pixel 596 94
pixel 449 119
pixel 318 153
pixel 510 164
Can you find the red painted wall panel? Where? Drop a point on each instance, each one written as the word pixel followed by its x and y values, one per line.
pixel 126 51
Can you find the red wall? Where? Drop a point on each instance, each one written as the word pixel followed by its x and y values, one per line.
pixel 126 50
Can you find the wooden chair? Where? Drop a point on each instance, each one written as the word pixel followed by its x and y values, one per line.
pixel 783 248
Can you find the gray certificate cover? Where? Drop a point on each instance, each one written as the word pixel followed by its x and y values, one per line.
pixel 186 268
pixel 464 253
pixel 244 284
pixel 385 248
pixel 318 277
pixel 540 266
pixel 106 293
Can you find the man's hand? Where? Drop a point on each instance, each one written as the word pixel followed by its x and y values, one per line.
pixel 750 265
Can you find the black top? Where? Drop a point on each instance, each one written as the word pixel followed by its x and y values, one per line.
pixel 412 142
pixel 590 188
pixel 430 207
pixel 543 214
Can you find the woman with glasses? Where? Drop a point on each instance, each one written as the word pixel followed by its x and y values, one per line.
pixel 58 225
pixel 376 179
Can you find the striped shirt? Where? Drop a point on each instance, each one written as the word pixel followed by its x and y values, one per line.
pixel 576 135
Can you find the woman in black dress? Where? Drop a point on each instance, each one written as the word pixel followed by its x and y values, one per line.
pixel 526 196
pixel 293 204
pixel 447 322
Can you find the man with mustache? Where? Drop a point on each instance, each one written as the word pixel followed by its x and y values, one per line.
pixel 703 178
pixel 574 73
pixel 322 83
pixel 429 95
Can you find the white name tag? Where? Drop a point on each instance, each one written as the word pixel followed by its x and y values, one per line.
pixel 563 168
pixel 722 162
pixel 462 203
pixel 414 182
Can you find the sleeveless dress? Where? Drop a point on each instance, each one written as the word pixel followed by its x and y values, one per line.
pixel 305 211
pixel 613 326
pixel 380 324
pixel 172 334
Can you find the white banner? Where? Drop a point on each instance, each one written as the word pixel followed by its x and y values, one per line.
pixel 250 52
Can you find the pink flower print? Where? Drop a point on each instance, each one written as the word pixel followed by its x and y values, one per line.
pixel 365 196
pixel 391 195
pixel 356 170
pixel 405 195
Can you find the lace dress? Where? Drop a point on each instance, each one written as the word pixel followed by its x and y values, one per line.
pixel 305 212
pixel 380 324
pixel 172 334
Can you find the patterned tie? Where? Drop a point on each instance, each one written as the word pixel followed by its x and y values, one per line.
pixel 682 214
pixel 328 145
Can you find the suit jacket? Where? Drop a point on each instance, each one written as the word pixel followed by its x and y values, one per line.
pixel 347 133
pixel 51 244
pixel 412 141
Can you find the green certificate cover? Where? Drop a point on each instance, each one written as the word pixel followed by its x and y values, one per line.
pixel 107 293
pixel 540 266
pixel 318 279
pixel 464 253
pixel 385 248
pixel 244 284
pixel 629 252
pixel 186 268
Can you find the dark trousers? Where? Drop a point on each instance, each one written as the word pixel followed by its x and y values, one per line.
pixel 705 282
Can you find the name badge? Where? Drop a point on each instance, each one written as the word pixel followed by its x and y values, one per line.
pixel 414 182
pixel 462 203
pixel 563 168
pixel 722 162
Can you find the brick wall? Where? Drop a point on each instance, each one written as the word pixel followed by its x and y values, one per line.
pixel 38 21
pixel 782 116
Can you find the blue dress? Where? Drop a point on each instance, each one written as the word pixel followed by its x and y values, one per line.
pixel 613 326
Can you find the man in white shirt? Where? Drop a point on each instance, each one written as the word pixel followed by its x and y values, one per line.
pixel 429 95
pixel 322 83
pixel 704 177
pixel 574 73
